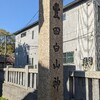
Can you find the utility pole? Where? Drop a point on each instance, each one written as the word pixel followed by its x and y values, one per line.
pixel 5 51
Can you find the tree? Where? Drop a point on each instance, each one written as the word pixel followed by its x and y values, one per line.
pixel 8 39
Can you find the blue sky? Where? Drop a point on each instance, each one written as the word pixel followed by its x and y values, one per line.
pixel 15 14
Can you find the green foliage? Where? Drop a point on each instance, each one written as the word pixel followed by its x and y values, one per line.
pixel 10 42
pixel 2 98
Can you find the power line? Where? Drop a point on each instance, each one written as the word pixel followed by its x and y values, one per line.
pixel 79 37
pixel 32 18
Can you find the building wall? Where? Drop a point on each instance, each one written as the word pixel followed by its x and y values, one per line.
pixel 79 34
pixel 97 32
pixel 26 48
pixel 78 37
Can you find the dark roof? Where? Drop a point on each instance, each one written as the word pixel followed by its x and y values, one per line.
pixel 73 4
pixel 67 7
pixel 27 27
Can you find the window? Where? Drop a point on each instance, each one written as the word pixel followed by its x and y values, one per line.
pixel 98 13
pixel 27 59
pixel 32 34
pixel 64 58
pixel 68 57
pixel 23 34
pixel 32 61
pixel 35 66
pixel 64 16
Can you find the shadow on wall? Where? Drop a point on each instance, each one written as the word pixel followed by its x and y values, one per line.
pixel 68 82
pixel 1 81
pixel 74 87
pixel 31 96
pixel 80 88
pixel 41 13
pixel 21 55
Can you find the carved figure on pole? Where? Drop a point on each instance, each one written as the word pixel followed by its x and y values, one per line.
pixel 56 47
pixel 56 30
pixel 56 83
pixel 56 65
pixel 56 9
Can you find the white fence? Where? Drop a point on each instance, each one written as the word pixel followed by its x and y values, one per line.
pixel 22 77
pixel 78 85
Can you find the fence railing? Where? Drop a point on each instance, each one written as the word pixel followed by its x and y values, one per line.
pixel 22 77
pixel 78 85
pixel 83 85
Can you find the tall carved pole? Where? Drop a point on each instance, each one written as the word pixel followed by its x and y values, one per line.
pixel 50 50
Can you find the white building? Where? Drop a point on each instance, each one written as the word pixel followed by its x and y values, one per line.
pixel 26 46
pixel 81 20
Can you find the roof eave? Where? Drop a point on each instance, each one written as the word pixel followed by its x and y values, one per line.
pixel 25 28
pixel 73 4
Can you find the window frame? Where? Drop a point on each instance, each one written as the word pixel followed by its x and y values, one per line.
pixel 98 13
pixel 27 59
pixel 68 58
pixel 64 16
pixel 32 62
pixel 23 34
pixel 33 34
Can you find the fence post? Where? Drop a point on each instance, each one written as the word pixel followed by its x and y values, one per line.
pixel 6 77
pixel 95 90
pixel 26 73
pixel 35 79
pixel 68 82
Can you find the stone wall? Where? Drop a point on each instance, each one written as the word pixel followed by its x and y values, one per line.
pixel 12 92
